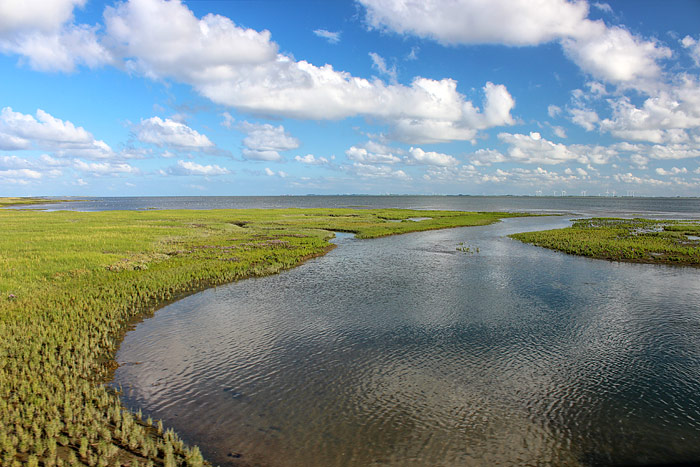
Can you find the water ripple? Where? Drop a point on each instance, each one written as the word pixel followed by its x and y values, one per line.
pixel 391 352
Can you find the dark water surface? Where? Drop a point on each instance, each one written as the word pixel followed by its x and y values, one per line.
pixel 404 351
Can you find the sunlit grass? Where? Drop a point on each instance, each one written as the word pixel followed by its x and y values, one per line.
pixel 70 282
pixel 633 240
pixel 10 201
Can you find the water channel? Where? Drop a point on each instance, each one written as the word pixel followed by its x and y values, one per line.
pixel 406 351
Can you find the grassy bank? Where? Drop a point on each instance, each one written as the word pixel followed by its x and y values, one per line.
pixel 70 283
pixel 10 201
pixel 632 240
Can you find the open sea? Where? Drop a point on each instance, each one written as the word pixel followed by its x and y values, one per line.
pixel 405 351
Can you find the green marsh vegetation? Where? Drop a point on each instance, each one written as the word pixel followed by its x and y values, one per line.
pixel 632 240
pixel 71 282
pixel 10 201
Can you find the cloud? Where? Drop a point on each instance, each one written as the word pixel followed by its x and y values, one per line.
pixel 265 142
pixel 553 111
pixel 310 159
pixel 376 154
pixel 43 33
pixel 184 47
pixel 663 118
pixel 639 161
pixel 498 104
pixel 74 45
pixel 228 120
pixel 559 131
pixel 418 156
pixel 615 55
pixel 376 171
pixel 46 132
pixel 533 149
pixel 192 168
pixel 519 22
pixel 170 133
pixel 271 173
pixel 331 37
pixel 14 162
pixel 609 53
pixel 693 46
pixel 583 117
pixel 672 171
pixel 462 173
pixel 19 176
pixel 604 7
pixel 16 170
pixel 633 179
pixel 487 157
pixel 105 168
pixel 242 68
pixel 672 151
pixel 36 15
pixel 379 64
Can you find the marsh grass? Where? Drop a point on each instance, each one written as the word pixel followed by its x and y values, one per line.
pixel 631 240
pixel 71 282
pixel 15 201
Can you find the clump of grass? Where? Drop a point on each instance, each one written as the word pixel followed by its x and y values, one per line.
pixel 631 240
pixel 71 282
pixel 464 248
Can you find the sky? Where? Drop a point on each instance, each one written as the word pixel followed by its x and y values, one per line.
pixel 276 97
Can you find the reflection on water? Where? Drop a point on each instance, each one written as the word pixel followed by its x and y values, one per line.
pixel 406 351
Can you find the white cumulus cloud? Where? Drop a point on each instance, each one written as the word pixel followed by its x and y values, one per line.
pixel 310 159
pixel 672 171
pixel 609 53
pixel 693 46
pixel 170 133
pixel 664 117
pixel 377 171
pixel 46 132
pixel 192 168
pixel 104 168
pixel 380 155
pixel 242 68
pixel 265 142
pixel 510 22
pixel 42 31
pixel 419 156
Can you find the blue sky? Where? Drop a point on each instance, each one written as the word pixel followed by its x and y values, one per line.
pixel 154 97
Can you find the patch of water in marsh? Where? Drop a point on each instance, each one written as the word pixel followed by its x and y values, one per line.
pixel 405 351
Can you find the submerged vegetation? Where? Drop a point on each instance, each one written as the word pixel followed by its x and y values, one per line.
pixel 71 282
pixel 632 240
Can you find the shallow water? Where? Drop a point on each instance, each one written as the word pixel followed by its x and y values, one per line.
pixel 405 351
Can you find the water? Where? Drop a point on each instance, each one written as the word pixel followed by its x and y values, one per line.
pixel 404 351
pixel 583 206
